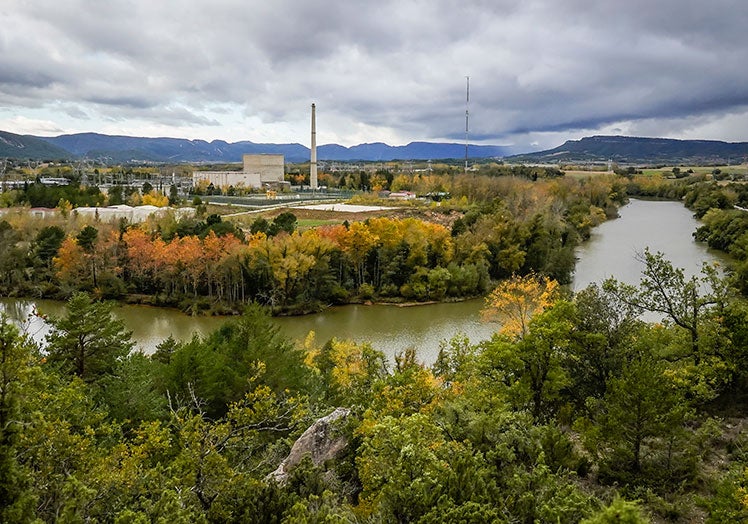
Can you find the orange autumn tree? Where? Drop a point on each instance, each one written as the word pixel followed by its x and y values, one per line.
pixel 91 261
pixel 227 274
pixel 215 249
pixel 144 256
pixel 70 263
pixel 188 259
pixel 516 300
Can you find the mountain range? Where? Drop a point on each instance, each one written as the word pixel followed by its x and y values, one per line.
pixel 636 150
pixel 122 149
pixel 595 149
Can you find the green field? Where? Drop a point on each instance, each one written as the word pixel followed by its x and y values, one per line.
pixel 308 223
pixel 741 169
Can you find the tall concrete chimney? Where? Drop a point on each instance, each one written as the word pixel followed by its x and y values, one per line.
pixel 313 163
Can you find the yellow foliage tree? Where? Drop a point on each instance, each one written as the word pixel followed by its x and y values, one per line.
pixel 70 262
pixel 401 183
pixel 516 300
pixel 356 243
pixel 65 207
pixel 347 369
pixel 135 199
pixel 154 198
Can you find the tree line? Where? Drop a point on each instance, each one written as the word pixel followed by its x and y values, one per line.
pixel 499 227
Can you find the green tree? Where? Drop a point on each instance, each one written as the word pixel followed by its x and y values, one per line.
pixel 401 467
pixel 216 369
pixel 665 290
pixel 318 509
pixel 16 499
pixel 643 416
pixel 446 512
pixel 61 446
pixel 604 331
pixel 87 238
pixel 48 241
pixel 456 360
pixel 131 392
pixel 620 511
pixel 12 258
pixel 695 310
pixel 286 221
pixel 173 195
pixel 213 456
pixel 532 366
pixel 88 341
pixel 736 326
pixel 730 502
pixel 87 241
pixel 259 225
pixel 116 195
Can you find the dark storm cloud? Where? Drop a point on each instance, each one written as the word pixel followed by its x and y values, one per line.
pixel 395 67
pixel 134 102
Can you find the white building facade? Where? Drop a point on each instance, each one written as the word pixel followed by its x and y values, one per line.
pixel 259 171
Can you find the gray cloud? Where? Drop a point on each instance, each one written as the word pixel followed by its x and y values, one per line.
pixel 391 70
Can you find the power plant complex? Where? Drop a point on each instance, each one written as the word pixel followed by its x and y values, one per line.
pixel 260 171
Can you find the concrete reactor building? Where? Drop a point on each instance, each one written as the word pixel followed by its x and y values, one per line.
pixel 259 171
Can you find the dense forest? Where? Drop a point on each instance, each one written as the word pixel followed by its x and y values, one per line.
pixel 496 227
pixel 576 410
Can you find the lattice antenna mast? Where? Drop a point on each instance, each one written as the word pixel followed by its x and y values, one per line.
pixel 467 119
pixel 313 158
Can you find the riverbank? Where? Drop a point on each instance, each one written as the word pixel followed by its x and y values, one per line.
pixel 610 251
pixel 206 308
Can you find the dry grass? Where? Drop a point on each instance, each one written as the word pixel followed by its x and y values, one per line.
pixel 579 174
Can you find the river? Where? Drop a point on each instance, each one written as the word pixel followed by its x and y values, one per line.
pixel 614 246
pixel 611 251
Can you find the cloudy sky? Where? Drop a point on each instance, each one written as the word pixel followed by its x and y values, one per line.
pixel 541 71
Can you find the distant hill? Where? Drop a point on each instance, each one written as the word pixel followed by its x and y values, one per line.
pixel 597 149
pixel 412 151
pixel 29 147
pixel 134 149
pixel 635 150
pixel 121 149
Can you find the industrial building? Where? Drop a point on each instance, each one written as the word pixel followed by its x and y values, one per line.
pixel 260 171
pixel 132 214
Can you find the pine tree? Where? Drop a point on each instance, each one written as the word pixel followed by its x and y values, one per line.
pixel 16 499
pixel 89 340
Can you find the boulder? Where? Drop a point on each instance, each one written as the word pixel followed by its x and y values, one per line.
pixel 322 441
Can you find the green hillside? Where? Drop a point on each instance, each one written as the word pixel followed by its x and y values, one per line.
pixel 25 146
pixel 638 150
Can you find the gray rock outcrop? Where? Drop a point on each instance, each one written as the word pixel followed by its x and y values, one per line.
pixel 321 441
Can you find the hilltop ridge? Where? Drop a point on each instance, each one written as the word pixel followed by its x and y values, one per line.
pixel 639 150
pixel 120 149
pixel 594 149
